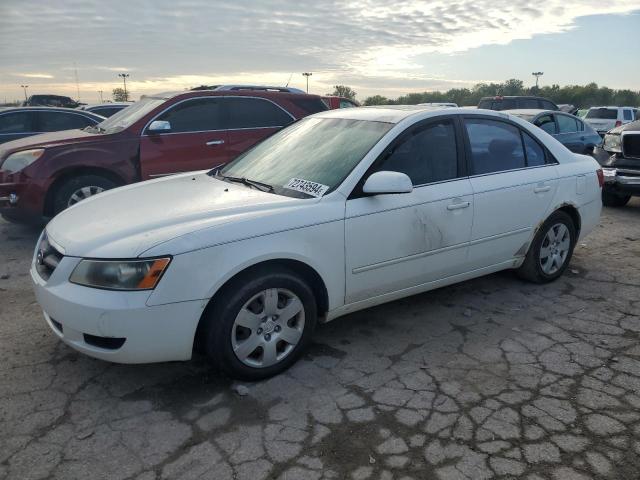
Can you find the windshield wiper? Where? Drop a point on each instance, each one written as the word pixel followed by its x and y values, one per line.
pixel 265 187
pixel 94 127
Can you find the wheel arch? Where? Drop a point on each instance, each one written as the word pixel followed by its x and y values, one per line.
pixel 71 172
pixel 308 273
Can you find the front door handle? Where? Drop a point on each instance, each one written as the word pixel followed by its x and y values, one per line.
pixel 542 188
pixel 457 206
pixel 215 142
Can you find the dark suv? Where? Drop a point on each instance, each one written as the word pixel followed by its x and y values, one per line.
pixel 156 136
pixel 620 160
pixel 516 103
pixel 50 101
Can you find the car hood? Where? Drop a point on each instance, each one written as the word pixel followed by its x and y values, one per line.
pixel 47 139
pixel 173 212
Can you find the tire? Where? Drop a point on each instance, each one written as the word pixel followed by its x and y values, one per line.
pixel 78 188
pixel 241 335
pixel 610 199
pixel 541 268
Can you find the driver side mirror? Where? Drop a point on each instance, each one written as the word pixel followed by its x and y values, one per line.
pixel 385 182
pixel 159 126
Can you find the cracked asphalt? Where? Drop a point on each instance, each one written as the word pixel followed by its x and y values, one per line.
pixel 491 378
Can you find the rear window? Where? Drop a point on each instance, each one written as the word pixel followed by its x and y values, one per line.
pixel 603 113
pixel 309 105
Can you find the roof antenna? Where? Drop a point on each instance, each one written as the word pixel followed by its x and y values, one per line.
pixel 289 80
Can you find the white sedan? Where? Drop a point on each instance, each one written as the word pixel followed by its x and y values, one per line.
pixel 340 211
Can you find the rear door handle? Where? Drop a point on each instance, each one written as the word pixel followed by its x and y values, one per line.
pixel 542 188
pixel 457 206
pixel 215 142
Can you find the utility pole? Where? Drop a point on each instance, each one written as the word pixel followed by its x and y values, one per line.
pixel 124 81
pixel 75 69
pixel 100 92
pixel 307 74
pixel 25 91
pixel 537 75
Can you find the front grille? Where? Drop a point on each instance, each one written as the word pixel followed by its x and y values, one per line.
pixel 47 258
pixel 631 145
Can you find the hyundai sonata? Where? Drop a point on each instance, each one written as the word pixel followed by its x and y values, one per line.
pixel 340 211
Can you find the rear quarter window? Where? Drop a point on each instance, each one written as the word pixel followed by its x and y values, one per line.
pixel 310 105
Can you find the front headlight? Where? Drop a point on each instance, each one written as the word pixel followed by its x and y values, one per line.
pixel 612 143
pixel 19 160
pixel 120 274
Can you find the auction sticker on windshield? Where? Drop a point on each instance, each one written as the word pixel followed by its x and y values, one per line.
pixel 305 186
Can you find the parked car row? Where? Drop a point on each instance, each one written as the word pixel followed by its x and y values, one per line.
pixel 156 136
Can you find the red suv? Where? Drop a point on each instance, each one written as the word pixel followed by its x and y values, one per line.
pixel 159 135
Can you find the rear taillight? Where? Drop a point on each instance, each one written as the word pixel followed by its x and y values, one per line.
pixel 618 123
pixel 600 177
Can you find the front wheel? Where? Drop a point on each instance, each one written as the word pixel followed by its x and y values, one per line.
pixel 260 324
pixel 79 188
pixel 610 199
pixel 551 250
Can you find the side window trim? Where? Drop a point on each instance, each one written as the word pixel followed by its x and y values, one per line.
pixel 460 153
pixel 225 113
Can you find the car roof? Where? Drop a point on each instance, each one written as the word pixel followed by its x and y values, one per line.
pixel 229 93
pixel 531 111
pixel 397 113
pixel 49 109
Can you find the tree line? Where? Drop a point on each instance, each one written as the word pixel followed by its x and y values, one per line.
pixel 581 96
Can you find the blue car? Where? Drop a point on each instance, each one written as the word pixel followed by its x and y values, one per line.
pixel 568 129
pixel 20 122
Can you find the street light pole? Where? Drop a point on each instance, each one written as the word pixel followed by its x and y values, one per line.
pixel 537 75
pixel 124 81
pixel 100 92
pixel 25 91
pixel 307 74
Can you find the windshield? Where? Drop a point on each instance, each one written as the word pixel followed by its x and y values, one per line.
pixel 128 116
pixel 318 150
pixel 604 113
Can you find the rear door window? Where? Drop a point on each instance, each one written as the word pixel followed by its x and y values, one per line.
pixel 196 115
pixel 628 115
pixel 567 124
pixel 255 113
pixel 57 121
pixel 535 153
pixel 495 146
pixel 16 122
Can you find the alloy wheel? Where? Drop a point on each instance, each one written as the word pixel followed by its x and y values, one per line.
pixel 83 193
pixel 555 248
pixel 268 327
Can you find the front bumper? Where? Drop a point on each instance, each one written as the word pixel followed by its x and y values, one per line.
pixel 22 199
pixel 622 181
pixel 115 326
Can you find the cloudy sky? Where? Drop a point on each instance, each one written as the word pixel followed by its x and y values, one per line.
pixel 375 46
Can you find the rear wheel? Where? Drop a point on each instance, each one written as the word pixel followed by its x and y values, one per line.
pixel 260 324
pixel 79 188
pixel 610 199
pixel 551 250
